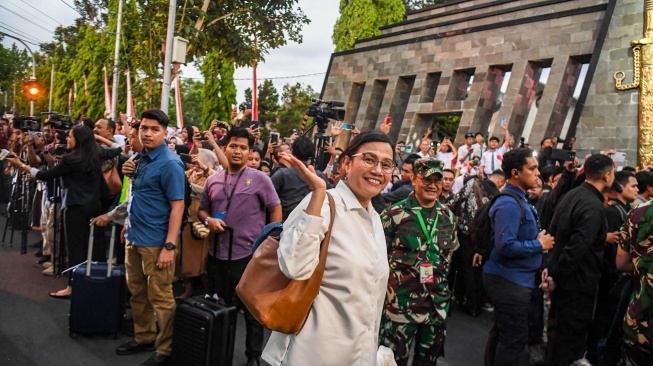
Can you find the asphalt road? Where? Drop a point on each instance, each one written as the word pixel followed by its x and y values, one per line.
pixel 34 326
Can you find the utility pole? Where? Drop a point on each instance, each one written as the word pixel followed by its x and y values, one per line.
pixel 116 53
pixel 165 92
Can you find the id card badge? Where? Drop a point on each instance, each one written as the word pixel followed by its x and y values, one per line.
pixel 426 272
pixel 220 215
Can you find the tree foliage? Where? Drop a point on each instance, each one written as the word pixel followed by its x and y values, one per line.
pixel 361 19
pixel 296 100
pixel 268 102
pixel 192 100
pixel 219 88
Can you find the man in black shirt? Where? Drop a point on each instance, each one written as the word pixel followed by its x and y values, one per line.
pixel 580 229
pixel 606 305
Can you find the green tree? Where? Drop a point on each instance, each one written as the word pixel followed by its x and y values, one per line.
pixel 219 88
pixel 361 19
pixel 268 102
pixel 192 102
pixel 296 100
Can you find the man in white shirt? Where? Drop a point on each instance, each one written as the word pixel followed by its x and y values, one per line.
pixel 491 159
pixel 467 151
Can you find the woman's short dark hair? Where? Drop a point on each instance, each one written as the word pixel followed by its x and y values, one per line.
pixel 366 138
pixel 515 159
pixel 87 149
pixel 157 115
pixel 240 132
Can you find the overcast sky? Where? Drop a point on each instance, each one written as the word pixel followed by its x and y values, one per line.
pixel 310 57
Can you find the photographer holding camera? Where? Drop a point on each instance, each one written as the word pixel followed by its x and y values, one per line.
pixel 80 171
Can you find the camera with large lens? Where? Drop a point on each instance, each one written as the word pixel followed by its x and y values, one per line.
pixel 324 110
pixel 27 123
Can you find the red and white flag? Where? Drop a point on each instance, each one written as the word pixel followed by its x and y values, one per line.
pixel 130 100
pixel 107 92
pixel 180 117
pixel 254 92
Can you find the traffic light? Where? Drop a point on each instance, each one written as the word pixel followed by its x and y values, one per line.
pixel 32 89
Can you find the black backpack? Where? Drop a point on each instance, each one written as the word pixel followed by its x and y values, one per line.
pixel 481 227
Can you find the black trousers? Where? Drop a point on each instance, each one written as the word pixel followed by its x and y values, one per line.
pixel 569 320
pixel 76 219
pixel 509 333
pixel 223 278
pixel 471 276
pixel 536 313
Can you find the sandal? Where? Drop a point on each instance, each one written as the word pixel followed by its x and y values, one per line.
pixel 59 295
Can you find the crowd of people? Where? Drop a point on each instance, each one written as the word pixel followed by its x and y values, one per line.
pixel 404 248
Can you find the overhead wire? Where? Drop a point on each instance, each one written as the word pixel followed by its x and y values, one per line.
pixel 16 37
pixel 68 5
pixel 15 30
pixel 22 17
pixel 35 8
pixel 46 22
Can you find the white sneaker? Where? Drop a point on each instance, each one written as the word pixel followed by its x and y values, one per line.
pixel 47 264
pixel 49 271
pixel 487 307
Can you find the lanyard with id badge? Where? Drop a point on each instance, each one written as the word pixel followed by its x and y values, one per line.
pixel 425 265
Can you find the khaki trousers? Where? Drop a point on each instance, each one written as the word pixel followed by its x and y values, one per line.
pixel 151 289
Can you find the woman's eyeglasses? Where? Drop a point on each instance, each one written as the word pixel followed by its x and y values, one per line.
pixel 371 160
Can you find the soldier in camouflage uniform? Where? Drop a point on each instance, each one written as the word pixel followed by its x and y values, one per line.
pixel 421 238
pixel 635 254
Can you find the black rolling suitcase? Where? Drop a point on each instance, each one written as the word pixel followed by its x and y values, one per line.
pixel 97 303
pixel 204 333
pixel 204 330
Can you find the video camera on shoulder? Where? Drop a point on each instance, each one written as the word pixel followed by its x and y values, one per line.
pixel 27 123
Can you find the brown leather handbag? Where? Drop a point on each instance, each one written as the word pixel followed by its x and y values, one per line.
pixel 277 302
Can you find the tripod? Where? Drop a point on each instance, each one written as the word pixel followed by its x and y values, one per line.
pixel 19 209
pixel 319 139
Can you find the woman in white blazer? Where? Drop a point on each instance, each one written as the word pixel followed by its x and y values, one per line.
pixel 343 325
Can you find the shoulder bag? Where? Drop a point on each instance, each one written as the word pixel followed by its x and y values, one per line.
pixel 277 302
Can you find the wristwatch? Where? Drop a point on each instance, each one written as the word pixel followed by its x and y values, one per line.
pixel 206 221
pixel 169 246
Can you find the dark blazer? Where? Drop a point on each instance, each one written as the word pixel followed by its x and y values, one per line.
pixel 579 228
pixel 83 187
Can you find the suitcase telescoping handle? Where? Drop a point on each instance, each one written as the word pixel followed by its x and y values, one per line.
pixel 89 255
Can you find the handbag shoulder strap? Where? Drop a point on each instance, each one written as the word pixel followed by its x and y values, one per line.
pixel 327 237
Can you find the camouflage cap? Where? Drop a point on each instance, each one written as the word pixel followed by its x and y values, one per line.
pixel 428 166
